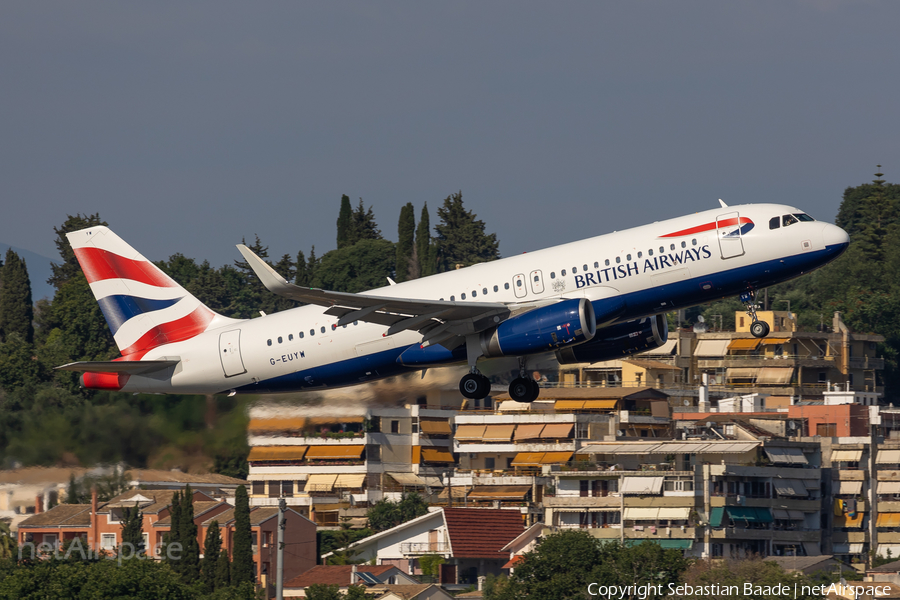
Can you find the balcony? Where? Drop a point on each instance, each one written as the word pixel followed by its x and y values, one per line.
pixel 420 548
pixel 579 502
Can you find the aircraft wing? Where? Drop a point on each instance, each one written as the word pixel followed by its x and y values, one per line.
pixel 438 320
pixel 131 367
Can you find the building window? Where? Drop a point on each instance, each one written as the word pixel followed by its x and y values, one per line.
pixel 259 488
pixel 826 429
pixel 583 488
pixel 489 463
pixel 108 541
pixel 395 426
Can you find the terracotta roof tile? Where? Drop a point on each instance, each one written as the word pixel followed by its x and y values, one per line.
pixel 160 476
pixel 199 509
pixel 334 575
pixel 482 532
pixel 64 515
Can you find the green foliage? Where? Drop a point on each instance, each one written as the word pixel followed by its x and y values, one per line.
pixel 363 226
pixel 344 223
pixel 319 591
pixel 223 571
pixel 189 565
pixel 174 535
pixel 406 230
pixel 329 540
pixel 385 514
pixel 425 251
pixel 362 266
pixel 18 366
pixel 132 529
pixel 242 552
pixel 212 549
pixel 755 571
pixel 358 592
pixel 16 310
pixel 460 236
pixel 431 564
pixel 69 267
pixel 8 544
pixel 563 564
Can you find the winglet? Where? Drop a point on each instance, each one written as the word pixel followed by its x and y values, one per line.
pixel 722 202
pixel 269 277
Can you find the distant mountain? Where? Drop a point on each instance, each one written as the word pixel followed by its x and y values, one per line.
pixel 39 271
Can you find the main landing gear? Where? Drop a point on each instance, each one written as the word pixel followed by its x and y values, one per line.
pixel 523 388
pixel 758 329
pixel 474 385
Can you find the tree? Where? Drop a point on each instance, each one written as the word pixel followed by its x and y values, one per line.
pixel 212 548
pixel 406 230
pixel 190 554
pixel 753 571
pixel 69 267
pixel 7 542
pixel 132 530
pixel 461 239
pixel 242 553
pixel 356 268
pixel 345 223
pixel 385 514
pixel 16 310
pixel 321 591
pixel 301 275
pixel 426 260
pixel 18 366
pixel 223 571
pixel 72 496
pixel 363 226
pixel 174 535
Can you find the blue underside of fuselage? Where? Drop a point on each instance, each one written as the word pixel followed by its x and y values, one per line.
pixel 660 299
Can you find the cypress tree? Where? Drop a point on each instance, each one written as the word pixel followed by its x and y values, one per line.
pixel 190 558
pixel 301 277
pixel 461 238
pixel 242 552
pixel 174 535
pixel 406 229
pixel 345 223
pixel 223 570
pixel 16 310
pixel 72 491
pixel 311 265
pixel 364 226
pixel 132 529
pixel 212 547
pixel 424 246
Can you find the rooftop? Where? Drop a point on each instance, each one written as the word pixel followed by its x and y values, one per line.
pixel 335 575
pixel 61 515
pixel 482 532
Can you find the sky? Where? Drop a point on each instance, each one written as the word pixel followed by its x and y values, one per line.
pixel 189 126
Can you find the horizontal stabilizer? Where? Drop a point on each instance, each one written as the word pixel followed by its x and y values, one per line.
pixel 133 367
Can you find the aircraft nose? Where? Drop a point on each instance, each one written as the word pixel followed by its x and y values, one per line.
pixel 833 236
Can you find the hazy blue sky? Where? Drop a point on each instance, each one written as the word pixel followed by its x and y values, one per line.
pixel 190 125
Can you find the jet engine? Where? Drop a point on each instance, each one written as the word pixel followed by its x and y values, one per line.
pixel 618 340
pixel 560 325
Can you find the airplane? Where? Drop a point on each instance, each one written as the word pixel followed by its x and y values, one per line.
pixel 587 301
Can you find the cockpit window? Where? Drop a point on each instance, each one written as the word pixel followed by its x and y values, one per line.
pixel 803 217
pixel 774 222
pixel 789 220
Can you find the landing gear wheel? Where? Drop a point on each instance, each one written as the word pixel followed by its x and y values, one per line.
pixel 759 329
pixel 535 389
pixel 522 389
pixel 474 386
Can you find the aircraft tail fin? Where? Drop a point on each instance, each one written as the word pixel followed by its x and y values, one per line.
pixel 143 306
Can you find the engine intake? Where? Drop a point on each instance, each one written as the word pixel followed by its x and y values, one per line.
pixel 619 340
pixel 560 325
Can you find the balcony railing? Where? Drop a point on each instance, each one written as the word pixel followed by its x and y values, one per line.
pixel 419 548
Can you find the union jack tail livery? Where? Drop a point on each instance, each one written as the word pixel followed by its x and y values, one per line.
pixel 143 306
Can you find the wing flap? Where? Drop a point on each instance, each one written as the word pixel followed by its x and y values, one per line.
pixel 131 367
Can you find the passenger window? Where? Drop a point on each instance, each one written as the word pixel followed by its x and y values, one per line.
pixel 301 335
pixel 474 293
pixel 279 339
pixel 774 222
pixel 269 342
pixel 639 255
pixel 671 246
pixel 290 337
pixel 322 329
pixel 584 268
pixel 563 272
pixel 693 242
pixel 574 270
pixel 597 265
pixel 312 332
pixel 618 259
pixel 333 326
pixel 650 252
pixel 628 257
pixel 684 244
pixel 452 298
pixel 662 250
pixel 462 296
pixel 484 291
pixel 552 274
pixel 496 289
pixel 606 262
pixel 505 286
pixel 788 220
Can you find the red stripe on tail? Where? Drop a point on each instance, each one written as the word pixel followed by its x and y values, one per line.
pixel 173 331
pixel 100 264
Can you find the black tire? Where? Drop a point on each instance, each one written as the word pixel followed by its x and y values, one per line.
pixel 535 390
pixel 470 386
pixel 485 388
pixel 759 329
pixel 520 390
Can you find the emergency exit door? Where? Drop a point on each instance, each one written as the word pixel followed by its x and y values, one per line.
pixel 230 353
pixel 728 230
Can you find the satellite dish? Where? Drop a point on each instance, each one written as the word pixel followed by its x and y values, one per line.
pixel 620 433
pixel 700 319
pixel 687 402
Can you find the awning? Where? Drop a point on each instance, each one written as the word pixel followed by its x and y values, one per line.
pixel 267 453
pixel 852 488
pixel 469 433
pixel 846 455
pixel 848 521
pixel 529 432
pixel 335 420
pixel 774 341
pixel 741 373
pixel 675 513
pixel 775 375
pixel 641 485
pixel 498 433
pixel 887 519
pixel 641 514
pixel 435 426
pixel 350 480
pixel 266 425
pixel 779 513
pixel 888 457
pixel 334 452
pixel 320 482
pixel 436 455
pixel 282 476
pixel 889 487
pixel 554 458
pixel 557 431
pixel 743 344
pixel 786 456
pixel 667 348
pixel 715 516
pixel 528 459
pixel 797 515
pixel 711 348
pixel 569 404
pixel 883 550
pixel 499 492
pixel 408 479
pixel 748 514
pixel 790 487
pixel 663 543
pixel 601 404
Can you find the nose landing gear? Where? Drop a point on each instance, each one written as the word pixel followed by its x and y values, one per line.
pixel 758 329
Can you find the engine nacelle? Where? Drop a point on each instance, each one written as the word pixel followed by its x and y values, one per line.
pixel 560 325
pixel 619 340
